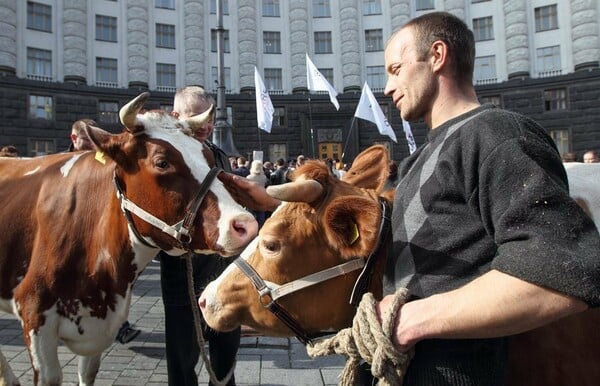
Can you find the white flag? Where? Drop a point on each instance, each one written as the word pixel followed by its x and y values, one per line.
pixel 317 82
pixel 264 106
pixel 368 108
pixel 412 146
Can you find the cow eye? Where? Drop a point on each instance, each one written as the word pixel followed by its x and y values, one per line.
pixel 271 245
pixel 161 164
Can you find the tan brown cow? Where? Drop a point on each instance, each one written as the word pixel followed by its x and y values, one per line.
pixel 312 235
pixel 77 229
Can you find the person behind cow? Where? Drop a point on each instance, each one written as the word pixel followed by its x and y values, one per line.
pixel 182 349
pixel 569 157
pixel 591 156
pixel 257 175
pixel 80 141
pixel 241 170
pixel 485 236
pixel 278 176
pixel 9 151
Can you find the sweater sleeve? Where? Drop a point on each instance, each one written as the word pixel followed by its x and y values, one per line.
pixel 542 235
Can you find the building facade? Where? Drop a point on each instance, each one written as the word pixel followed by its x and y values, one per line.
pixel 62 60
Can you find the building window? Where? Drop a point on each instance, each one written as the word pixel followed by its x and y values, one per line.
pixel 277 151
pixel 483 29
pixel 40 106
pixel 323 42
pixel 373 40
pixel 165 35
pixel 493 99
pixel 548 61
pixel 39 147
pixel 485 69
pixel 106 28
pixel 270 8
pixel 321 8
pixel 272 42
pixel 561 139
pixel 39 64
pixel 39 16
pixel 555 99
pixel 327 74
pixel 546 18
pixel 422 5
pixel 279 117
pixel 167 4
pixel 213 40
pixel 371 7
pixel 106 72
pixel 108 112
pixel 165 77
pixel 214 72
pixel 376 78
pixel 273 79
pixel 213 7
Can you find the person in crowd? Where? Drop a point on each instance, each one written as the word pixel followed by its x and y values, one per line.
pixel 569 157
pixel 242 170
pixel 268 168
pixel 279 176
pixel 80 141
pixel 340 167
pixel 257 175
pixel 332 169
pixel 9 151
pixel 232 163
pixel 182 349
pixel 591 156
pixel 485 236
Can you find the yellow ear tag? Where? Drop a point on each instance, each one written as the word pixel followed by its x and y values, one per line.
pixel 100 157
pixel 354 235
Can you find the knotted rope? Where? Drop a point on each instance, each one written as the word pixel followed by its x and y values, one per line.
pixel 197 322
pixel 370 341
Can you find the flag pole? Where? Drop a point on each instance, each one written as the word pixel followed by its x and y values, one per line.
pixel 348 137
pixel 312 136
pixel 259 140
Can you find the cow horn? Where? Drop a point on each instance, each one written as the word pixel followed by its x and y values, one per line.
pixel 128 113
pixel 300 190
pixel 197 121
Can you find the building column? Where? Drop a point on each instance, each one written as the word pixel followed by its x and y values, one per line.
pixel 517 39
pixel 247 43
pixel 75 41
pixel 400 13
pixel 299 46
pixel 456 7
pixel 193 43
pixel 137 44
pixel 350 36
pixel 584 31
pixel 8 37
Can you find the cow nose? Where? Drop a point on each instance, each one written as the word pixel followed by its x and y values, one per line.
pixel 243 229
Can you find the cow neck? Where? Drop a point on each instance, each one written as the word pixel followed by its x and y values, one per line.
pixel 268 296
pixel 179 231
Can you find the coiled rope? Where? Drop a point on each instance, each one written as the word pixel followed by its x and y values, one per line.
pixel 370 341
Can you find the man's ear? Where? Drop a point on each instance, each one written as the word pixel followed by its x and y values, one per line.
pixel 439 55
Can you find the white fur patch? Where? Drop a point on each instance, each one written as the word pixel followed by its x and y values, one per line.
pixel 66 168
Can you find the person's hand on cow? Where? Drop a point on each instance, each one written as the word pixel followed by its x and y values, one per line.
pixel 249 194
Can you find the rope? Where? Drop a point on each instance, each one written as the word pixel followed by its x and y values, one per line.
pixel 197 323
pixel 370 341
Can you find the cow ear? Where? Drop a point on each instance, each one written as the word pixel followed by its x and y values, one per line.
pixel 105 142
pixel 370 169
pixel 351 225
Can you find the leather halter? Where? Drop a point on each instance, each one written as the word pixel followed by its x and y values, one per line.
pixel 179 231
pixel 268 296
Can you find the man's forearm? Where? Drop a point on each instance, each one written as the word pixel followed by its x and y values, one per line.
pixel 493 305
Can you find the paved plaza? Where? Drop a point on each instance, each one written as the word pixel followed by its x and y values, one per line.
pixel 260 360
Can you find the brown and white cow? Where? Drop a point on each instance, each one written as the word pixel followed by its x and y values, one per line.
pixel 69 256
pixel 312 234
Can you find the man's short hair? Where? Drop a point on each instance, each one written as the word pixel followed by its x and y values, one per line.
pixel 280 162
pixel 78 127
pixel 187 99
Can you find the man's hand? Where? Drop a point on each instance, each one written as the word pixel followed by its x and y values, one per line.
pixel 248 194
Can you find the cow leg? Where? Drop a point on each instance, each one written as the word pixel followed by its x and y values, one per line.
pixel 7 377
pixel 88 369
pixel 43 349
